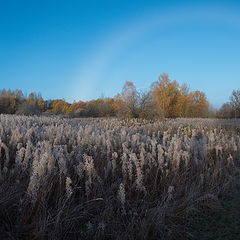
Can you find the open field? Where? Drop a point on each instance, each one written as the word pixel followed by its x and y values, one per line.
pixel 117 179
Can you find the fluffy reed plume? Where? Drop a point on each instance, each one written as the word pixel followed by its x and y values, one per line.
pixel 69 190
pixel 122 196
pixel 4 155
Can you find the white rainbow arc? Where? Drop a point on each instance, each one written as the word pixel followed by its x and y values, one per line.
pixel 94 70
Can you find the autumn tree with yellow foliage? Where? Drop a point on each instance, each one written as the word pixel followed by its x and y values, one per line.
pixel 173 100
pixel 59 106
pixel 166 95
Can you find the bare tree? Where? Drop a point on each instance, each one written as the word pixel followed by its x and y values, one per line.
pixel 226 111
pixel 235 102
pixel 146 104
pixel 128 101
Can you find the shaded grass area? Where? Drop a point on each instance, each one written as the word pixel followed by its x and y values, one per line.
pixel 221 224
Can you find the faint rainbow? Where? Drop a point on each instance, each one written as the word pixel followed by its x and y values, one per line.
pixel 90 74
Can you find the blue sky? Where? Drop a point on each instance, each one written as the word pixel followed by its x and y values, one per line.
pixel 80 50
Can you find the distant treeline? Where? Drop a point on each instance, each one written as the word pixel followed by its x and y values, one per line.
pixel 166 98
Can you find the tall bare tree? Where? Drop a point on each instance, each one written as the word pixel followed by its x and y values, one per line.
pixel 128 101
pixel 235 102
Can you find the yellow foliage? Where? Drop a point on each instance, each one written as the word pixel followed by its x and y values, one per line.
pixel 172 100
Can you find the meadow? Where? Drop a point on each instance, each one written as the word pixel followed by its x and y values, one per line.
pixel 107 178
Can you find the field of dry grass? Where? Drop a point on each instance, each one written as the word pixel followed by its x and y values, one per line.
pixel 114 179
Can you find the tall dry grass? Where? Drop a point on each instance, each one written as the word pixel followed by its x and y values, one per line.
pixel 109 178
